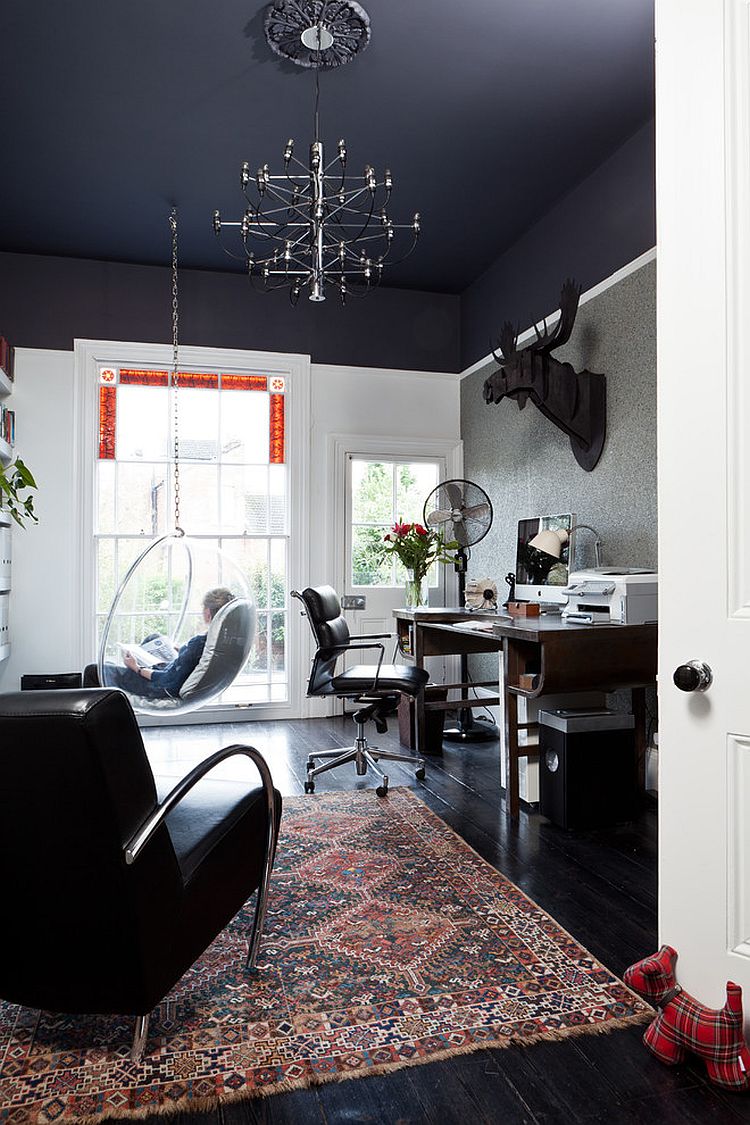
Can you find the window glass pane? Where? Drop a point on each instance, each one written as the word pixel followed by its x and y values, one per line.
pixel 372 492
pixel 371 566
pixel 142 499
pixel 258 661
pixel 277 510
pixel 105 487
pixel 199 496
pixel 198 424
pixel 414 483
pixel 244 427
pixel 278 641
pixel 143 430
pixel 251 555
pixel 105 569
pixel 278 573
pixel 245 499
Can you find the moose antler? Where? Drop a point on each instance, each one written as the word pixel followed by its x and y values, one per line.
pixel 508 338
pixel 560 334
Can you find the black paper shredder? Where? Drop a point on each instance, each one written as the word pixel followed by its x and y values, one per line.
pixel 587 767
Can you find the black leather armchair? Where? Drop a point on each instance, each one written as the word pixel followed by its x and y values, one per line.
pixel 110 894
pixel 377 687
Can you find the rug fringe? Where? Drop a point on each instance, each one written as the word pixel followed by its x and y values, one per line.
pixel 206 1105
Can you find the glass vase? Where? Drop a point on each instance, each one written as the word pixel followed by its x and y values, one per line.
pixel 415 591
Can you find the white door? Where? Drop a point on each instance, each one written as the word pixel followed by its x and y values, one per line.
pixel 703 229
pixel 385 480
pixel 380 491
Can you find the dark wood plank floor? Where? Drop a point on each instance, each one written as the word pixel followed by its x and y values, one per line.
pixel 601 886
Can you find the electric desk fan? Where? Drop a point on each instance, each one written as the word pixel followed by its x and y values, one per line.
pixel 462 511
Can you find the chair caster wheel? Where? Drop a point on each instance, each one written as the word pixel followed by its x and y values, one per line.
pixel 382 791
pixel 420 774
pixel 309 787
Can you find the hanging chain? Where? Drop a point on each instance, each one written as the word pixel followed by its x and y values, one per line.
pixel 175 376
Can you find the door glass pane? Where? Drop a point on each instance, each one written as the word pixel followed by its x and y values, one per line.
pixel 383 492
pixel 414 483
pixel 371 566
pixel 372 492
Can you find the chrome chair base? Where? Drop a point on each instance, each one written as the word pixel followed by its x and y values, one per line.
pixel 364 757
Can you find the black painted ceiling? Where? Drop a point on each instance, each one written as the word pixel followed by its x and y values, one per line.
pixel 486 111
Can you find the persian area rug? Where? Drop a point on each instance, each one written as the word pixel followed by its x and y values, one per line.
pixel 389 942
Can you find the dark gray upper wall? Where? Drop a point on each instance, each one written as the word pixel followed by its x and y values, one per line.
pixel 526 465
pixel 605 223
pixel 47 302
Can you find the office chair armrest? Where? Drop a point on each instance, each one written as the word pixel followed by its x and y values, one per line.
pixel 138 842
pixel 349 648
pixel 372 636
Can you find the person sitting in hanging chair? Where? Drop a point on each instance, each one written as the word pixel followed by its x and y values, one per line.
pixel 163 680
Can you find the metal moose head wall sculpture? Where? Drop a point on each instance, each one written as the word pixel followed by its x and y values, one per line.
pixel 576 401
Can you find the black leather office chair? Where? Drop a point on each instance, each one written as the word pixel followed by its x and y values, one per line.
pixel 377 688
pixel 110 894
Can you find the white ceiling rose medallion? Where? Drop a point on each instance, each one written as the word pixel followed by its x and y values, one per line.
pixel 312 226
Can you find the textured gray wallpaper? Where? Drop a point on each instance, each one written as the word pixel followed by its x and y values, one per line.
pixel 526 464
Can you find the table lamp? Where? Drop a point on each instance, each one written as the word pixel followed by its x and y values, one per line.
pixel 543 552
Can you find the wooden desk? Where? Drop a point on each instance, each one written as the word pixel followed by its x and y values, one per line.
pixel 541 655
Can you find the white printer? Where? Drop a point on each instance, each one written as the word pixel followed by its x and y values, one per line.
pixel 611 596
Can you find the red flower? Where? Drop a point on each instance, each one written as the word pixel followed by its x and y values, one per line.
pixel 419 529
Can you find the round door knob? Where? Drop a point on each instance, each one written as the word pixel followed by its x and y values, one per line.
pixel 693 676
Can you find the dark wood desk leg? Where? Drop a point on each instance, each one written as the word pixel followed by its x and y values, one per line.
pixel 639 720
pixel 511 751
pixel 420 728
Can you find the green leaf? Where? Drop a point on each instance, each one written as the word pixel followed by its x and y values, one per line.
pixel 25 473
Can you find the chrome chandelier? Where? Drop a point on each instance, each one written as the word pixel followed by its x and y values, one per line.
pixel 312 226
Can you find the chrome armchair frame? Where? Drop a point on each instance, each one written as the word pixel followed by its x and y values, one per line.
pixel 141 838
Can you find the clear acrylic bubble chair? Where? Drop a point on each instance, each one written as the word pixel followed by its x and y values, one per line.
pixel 177 592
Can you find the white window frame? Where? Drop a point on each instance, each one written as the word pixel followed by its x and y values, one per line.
pixel 89 356
pixel 371 447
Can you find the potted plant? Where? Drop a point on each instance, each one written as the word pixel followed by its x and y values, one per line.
pixel 16 482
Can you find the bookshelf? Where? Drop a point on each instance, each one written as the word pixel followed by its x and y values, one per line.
pixel 6 456
pixel 6 387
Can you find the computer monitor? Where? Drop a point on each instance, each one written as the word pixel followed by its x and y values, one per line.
pixel 541 577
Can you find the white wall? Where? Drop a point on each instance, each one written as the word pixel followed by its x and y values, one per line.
pixel 344 401
pixel 366 401
pixel 43 580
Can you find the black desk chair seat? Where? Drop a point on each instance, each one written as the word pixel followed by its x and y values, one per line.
pixel 113 890
pixel 377 688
